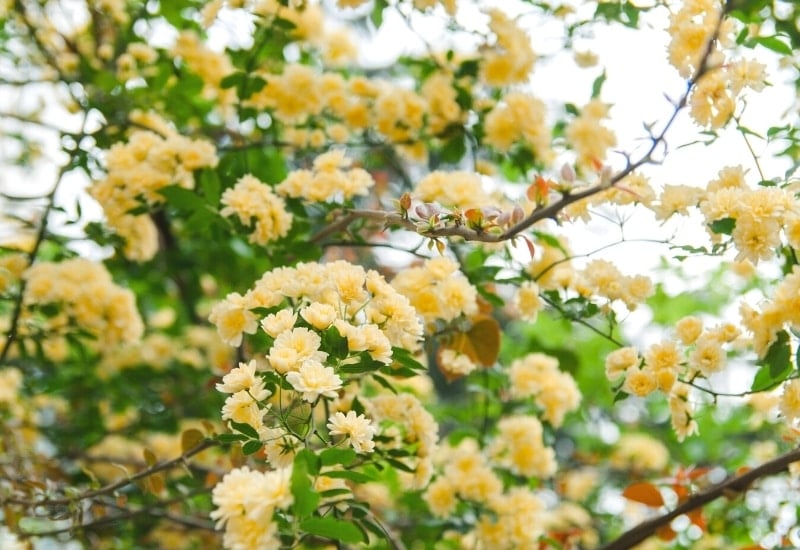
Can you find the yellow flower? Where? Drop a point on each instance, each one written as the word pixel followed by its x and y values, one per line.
pixel 232 318
pixel 441 497
pixel 314 380
pixel 681 411
pixel 292 347
pixel 357 428
pixel 756 238
pixel 528 302
pixel 639 451
pixel 640 382
pixel 243 378
pixel 279 322
pixel 708 356
pixel 255 205
pixel 688 329
pixel 318 315
pixel 242 408
pixel 619 361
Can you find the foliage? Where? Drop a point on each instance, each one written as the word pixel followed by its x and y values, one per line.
pixel 270 285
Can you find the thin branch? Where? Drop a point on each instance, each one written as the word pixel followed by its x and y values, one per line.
pixel 119 484
pixel 743 132
pixel 16 315
pixel 129 513
pixel 582 321
pixel 732 486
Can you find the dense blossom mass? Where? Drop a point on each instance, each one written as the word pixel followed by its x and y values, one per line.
pixel 399 274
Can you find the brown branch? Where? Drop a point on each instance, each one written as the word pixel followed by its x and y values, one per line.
pixel 191 522
pixel 733 485
pixel 549 211
pixel 119 484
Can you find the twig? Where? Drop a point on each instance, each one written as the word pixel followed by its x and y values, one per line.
pixel 732 486
pixel 110 488
pixel 16 315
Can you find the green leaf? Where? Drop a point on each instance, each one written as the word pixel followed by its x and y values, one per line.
pixel 723 226
pixel 252 447
pixel 384 382
pixel 597 85
pixel 183 199
pixel 771 43
pixel 305 498
pixel 454 149
pixel 232 80
pixel 334 529
pixel 334 343
pixel 246 429
pixel 377 13
pixel 776 365
pixel 358 477
pixel 329 457
pixel 406 359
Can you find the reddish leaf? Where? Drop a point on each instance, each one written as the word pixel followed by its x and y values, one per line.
pixel 645 493
pixel 666 533
pixel 696 517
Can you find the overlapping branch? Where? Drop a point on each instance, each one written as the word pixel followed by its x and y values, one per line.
pixel 119 484
pixel 733 486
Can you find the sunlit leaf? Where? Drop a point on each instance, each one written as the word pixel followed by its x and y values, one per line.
pixel 644 493
pixel 191 438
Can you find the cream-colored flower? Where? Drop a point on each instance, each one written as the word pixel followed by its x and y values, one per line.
pixel 292 347
pixel 790 400
pixel 357 428
pixel 441 497
pixel 255 205
pixel 315 380
pixel 318 315
pixel 708 355
pixel 688 329
pixel 528 302
pixel 455 364
pixel 233 318
pixel 640 382
pixel 279 322
pixel 242 408
pixel 619 361
pixel 244 378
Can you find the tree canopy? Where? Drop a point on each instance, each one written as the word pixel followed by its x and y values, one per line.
pixel 399 274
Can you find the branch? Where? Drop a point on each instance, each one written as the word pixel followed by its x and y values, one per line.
pixel 11 335
pixel 549 211
pixel 110 488
pixel 732 485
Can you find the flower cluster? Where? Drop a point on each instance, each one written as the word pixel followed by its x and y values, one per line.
pixel 327 328
pixel 519 118
pixel 330 180
pixel 588 137
pixel 695 352
pixel 510 59
pixel 713 100
pixel 538 376
pixel 137 170
pixel 453 189
pixel 469 487
pixel 438 290
pixel 782 309
pixel 602 278
pixel 254 204
pixel 245 502
pixel 87 298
